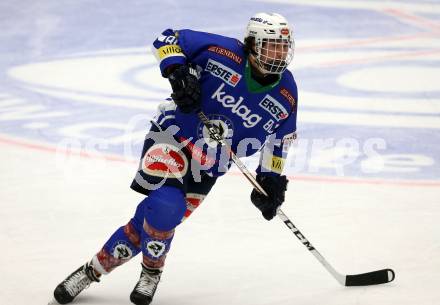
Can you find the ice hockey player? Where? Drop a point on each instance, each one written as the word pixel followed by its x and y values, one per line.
pixel 250 97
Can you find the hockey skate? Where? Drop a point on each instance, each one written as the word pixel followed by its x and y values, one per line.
pixel 145 288
pixel 79 280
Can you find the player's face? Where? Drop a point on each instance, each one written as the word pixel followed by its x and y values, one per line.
pixel 274 50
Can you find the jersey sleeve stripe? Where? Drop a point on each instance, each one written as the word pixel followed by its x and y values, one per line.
pixel 167 50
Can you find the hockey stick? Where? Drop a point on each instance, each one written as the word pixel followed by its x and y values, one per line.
pixel 362 279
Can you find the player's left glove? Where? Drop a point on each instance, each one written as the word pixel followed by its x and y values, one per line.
pixel 186 94
pixel 275 187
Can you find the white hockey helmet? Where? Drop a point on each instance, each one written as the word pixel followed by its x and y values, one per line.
pixel 274 44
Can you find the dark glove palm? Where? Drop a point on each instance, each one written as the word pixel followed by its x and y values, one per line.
pixel 186 88
pixel 275 187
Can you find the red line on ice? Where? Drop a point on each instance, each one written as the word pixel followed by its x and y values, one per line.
pixel 114 158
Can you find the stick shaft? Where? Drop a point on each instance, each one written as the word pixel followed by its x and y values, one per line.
pixel 363 279
pixel 250 177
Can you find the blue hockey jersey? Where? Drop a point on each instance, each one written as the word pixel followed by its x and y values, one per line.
pixel 248 115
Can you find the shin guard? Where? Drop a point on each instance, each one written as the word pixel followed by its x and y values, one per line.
pixel 120 248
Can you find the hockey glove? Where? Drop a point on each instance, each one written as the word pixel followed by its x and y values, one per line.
pixel 186 88
pixel 275 187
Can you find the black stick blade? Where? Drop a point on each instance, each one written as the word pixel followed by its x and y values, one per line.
pixel 370 278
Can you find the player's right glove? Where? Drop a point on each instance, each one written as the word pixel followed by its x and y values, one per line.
pixel 275 187
pixel 186 94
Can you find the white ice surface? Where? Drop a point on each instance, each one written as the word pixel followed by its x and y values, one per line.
pixel 58 215
pixel 225 253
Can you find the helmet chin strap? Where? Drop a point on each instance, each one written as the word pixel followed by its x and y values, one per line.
pixel 256 66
